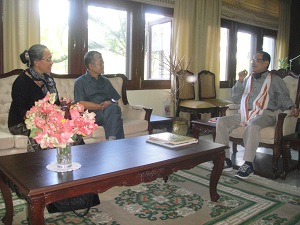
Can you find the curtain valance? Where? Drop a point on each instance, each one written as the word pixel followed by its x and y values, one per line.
pixel 262 13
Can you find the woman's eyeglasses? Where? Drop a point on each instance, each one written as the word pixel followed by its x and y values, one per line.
pixel 48 60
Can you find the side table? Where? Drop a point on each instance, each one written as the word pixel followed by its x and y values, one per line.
pixel 204 126
pixel 160 122
pixel 289 141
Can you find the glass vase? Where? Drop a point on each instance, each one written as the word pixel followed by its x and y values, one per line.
pixel 64 157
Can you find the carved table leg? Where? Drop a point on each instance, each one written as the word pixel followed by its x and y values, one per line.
pixel 214 134
pixel 215 176
pixel 165 179
pixel 195 131
pixel 8 218
pixel 36 212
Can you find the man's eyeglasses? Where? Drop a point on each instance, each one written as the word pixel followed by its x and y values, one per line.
pixel 48 60
pixel 256 60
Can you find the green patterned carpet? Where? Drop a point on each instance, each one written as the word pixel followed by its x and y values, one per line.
pixel 184 200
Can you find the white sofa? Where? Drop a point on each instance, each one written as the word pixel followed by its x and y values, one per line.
pixel 135 118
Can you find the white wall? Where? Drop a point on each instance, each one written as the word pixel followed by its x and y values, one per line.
pixel 155 98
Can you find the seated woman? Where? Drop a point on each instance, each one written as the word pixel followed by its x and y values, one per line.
pixel 30 86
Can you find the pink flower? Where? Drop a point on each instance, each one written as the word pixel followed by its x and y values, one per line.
pixel 50 128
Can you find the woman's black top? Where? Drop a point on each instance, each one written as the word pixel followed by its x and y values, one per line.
pixel 25 92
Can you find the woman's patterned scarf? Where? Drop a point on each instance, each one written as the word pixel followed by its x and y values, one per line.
pixel 48 81
pixel 259 104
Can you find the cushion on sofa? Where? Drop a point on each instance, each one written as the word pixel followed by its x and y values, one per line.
pixel 134 126
pixel 6 139
pixel 21 141
pixel 65 88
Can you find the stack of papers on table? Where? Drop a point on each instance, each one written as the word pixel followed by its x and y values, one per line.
pixel 171 140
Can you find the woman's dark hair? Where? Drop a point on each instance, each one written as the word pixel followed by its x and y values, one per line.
pixel 89 57
pixel 36 52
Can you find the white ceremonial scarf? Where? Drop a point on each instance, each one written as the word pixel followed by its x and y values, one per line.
pixel 259 104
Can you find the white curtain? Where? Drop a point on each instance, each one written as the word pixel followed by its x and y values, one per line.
pixel 197 35
pixel 283 34
pixel 21 29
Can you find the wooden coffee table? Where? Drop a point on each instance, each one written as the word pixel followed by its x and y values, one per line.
pixel 125 162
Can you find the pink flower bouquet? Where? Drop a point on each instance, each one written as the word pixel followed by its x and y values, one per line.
pixel 51 129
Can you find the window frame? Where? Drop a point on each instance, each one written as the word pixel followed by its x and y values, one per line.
pixel 234 27
pixel 149 45
pixel 78 36
pixel 153 84
pixel 1 43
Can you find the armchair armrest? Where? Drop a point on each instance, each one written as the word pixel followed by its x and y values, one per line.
pixel 137 112
pixel 285 125
pixel 232 109
pixel 289 123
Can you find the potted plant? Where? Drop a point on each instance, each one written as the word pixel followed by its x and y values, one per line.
pixel 178 68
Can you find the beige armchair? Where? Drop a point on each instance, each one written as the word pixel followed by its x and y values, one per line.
pixel 271 137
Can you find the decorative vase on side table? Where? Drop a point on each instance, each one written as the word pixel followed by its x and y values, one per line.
pixel 180 126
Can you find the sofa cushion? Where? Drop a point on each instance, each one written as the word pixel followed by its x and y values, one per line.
pixel 65 88
pixel 21 141
pixel 99 132
pixel 5 100
pixel 134 126
pixel 6 139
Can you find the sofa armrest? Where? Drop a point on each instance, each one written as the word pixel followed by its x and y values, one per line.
pixel 136 112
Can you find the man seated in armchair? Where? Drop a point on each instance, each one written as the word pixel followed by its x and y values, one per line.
pixel 261 97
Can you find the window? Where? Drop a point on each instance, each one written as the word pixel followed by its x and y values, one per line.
pixel 110 37
pixel 158 46
pixel 269 46
pixel 54 32
pixel 239 42
pixel 123 31
pixel 224 53
pixel 244 53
